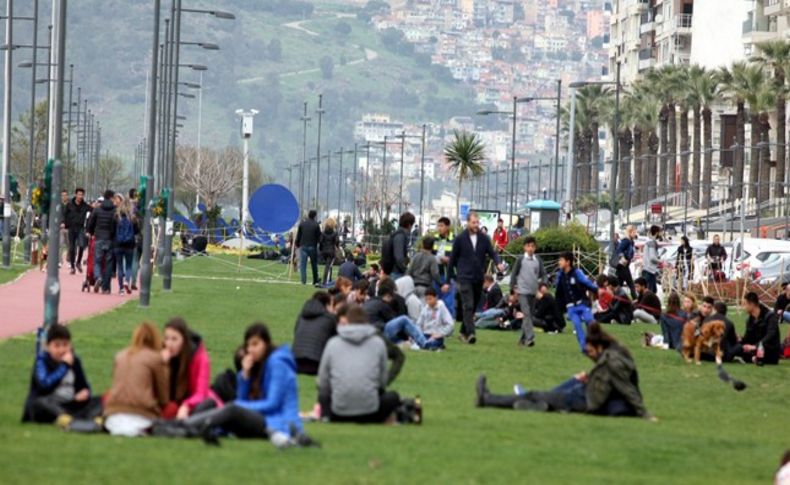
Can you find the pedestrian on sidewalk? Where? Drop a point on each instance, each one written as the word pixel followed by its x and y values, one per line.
pixel 102 226
pixel 126 230
pixel 307 236
pixel 74 215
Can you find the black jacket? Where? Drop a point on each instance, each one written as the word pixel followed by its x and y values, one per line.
pixel 764 330
pixel 547 310
pixel 314 327
pixel 308 234
pixel 328 242
pixel 378 311
pixel 781 303
pixel 492 297
pixel 102 222
pixel 46 377
pixel 649 302
pixel 74 215
pixel 400 250
pixel 467 262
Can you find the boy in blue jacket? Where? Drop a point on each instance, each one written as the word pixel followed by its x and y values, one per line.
pixel 58 387
pixel 572 288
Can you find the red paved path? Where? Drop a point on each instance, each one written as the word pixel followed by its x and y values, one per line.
pixel 22 301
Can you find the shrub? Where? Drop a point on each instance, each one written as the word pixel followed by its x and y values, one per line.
pixel 554 240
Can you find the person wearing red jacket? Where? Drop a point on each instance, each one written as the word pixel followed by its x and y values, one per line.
pixel 190 372
pixel 500 236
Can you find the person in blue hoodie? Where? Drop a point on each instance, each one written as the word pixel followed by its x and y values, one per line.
pixel 572 288
pixel 59 389
pixel 267 397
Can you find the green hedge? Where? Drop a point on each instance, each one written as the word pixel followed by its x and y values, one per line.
pixel 554 240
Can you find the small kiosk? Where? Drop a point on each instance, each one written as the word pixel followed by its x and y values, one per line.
pixel 543 213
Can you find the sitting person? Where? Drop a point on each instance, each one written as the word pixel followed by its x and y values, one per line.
pixel 349 269
pixel 730 339
pixel 405 286
pixel 224 385
pixel 360 256
pixel 506 315
pixel 190 371
pixel 343 286
pixel 611 388
pixel 315 325
pixel 379 307
pixel 359 295
pixel 433 325
pixel 672 322
pixel 424 268
pixel 352 378
pixel 761 343
pixel 548 314
pixel 140 384
pixel 267 396
pixel 492 293
pixel 647 308
pixel 782 305
pixel 621 308
pixel 605 296
pixel 59 389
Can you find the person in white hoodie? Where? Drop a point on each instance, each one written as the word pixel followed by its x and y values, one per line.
pixel 433 325
pixel 405 285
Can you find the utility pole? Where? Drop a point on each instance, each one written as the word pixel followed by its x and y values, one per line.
pixel 246 134
pixel 304 119
pixel 422 178
pixel 7 80
pixel 320 112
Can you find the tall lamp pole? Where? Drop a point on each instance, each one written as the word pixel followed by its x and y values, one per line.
pixel 320 112
pixel 246 134
pixel 304 119
pixel 422 177
pixel 6 185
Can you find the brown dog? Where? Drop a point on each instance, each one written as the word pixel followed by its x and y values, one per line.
pixel 709 337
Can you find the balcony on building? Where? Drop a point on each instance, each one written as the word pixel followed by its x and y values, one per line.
pixel 646 24
pixel 758 29
pixel 776 7
pixel 646 59
pixel 683 23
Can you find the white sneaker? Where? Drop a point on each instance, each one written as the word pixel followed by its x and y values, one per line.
pixel 121 292
pixel 415 347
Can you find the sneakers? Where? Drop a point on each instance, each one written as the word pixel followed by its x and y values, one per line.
pixel 97 285
pixel 63 421
pixel 471 340
pixel 519 390
pixel 527 405
pixel 79 267
pixel 414 346
pixel 127 289
pixel 106 292
pixel 134 287
pixel 72 270
pixel 481 390
pixel 121 292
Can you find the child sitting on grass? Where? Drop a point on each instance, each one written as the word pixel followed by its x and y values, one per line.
pixel 58 388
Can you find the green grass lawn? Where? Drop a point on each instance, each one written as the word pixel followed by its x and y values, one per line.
pixel 707 432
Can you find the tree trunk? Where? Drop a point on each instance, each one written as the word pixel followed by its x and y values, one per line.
pixel 639 182
pixel 458 200
pixel 765 158
pixel 754 152
pixel 652 165
pixel 684 152
pixel 738 156
pixel 781 135
pixel 586 170
pixel 624 187
pixel 661 181
pixel 575 166
pixel 595 159
pixel 673 149
pixel 696 147
pixel 707 177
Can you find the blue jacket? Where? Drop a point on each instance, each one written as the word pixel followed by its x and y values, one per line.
pixel 626 248
pixel 279 402
pixel 46 377
pixel 469 260
pixel 572 288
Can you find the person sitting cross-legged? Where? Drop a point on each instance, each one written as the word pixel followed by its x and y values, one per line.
pixel 352 377
pixel 58 388
pixel 647 307
pixel 433 325
pixel 548 315
pixel 611 388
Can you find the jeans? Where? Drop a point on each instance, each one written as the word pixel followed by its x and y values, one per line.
pixel 403 324
pixel 489 318
pixel 570 396
pixel 76 242
pixel 643 316
pixel 138 253
pixel 470 298
pixel 448 298
pixel 102 257
pixel 672 330
pixel 123 265
pixel 579 314
pixel 527 303
pixel 46 409
pixel 233 419
pixel 304 253
pixel 651 281
pixel 329 262
pixel 786 316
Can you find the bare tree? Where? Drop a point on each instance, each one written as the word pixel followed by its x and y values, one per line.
pixel 213 175
pixel 112 174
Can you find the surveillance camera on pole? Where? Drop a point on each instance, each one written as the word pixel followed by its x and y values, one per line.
pixel 246 134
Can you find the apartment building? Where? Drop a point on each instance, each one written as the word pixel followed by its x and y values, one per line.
pixel 649 33
pixel 765 20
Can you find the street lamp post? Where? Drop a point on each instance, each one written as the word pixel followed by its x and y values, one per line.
pixel 422 176
pixel 246 134
pixel 320 112
pixel 6 185
pixel 304 119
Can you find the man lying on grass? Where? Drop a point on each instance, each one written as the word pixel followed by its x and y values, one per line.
pixel 611 388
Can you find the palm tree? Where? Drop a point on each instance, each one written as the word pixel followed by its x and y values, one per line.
pixel 685 104
pixel 465 155
pixel 765 102
pixel 645 118
pixel 692 99
pixel 776 55
pixel 758 95
pixel 706 88
pixel 736 89
pixel 663 82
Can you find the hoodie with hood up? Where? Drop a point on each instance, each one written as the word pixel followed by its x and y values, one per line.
pixel 102 221
pixel 314 327
pixel 405 285
pixel 353 370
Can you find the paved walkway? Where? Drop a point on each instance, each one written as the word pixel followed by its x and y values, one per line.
pixel 22 302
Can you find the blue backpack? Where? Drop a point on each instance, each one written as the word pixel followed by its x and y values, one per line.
pixel 124 232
